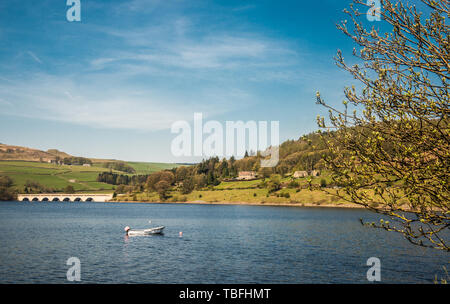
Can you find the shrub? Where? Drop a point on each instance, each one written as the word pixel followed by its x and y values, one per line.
pixel 188 185
pixel 69 189
pixel 262 184
pixel 7 192
pixel 274 184
pixel 293 184
pixel 374 204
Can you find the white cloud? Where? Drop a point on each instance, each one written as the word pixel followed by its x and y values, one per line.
pixel 246 57
pixel 61 99
pixel 182 43
pixel 153 76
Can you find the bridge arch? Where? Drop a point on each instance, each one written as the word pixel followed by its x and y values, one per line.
pixel 58 197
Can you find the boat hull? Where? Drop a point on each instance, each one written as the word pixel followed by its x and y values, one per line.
pixel 156 230
pixel 150 231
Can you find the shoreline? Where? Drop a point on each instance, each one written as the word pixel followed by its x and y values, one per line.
pixel 199 202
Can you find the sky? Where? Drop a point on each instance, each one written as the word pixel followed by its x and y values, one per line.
pixel 111 85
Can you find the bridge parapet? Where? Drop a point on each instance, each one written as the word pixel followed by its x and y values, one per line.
pixel 61 197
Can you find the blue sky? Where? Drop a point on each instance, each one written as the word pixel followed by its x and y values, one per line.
pixel 111 85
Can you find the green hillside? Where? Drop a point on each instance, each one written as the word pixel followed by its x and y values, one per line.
pixel 58 177
pixel 54 176
pixel 147 168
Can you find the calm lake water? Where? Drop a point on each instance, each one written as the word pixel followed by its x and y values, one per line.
pixel 220 244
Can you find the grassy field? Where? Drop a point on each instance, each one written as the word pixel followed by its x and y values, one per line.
pixel 247 192
pixel 252 196
pixel 83 179
pixel 142 168
pixel 147 168
pixel 303 182
pixel 238 185
pixel 54 176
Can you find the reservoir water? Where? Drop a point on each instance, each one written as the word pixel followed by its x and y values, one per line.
pixel 219 244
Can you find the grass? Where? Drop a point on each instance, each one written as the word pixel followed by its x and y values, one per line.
pixel 54 176
pixel 260 196
pixel 254 183
pixel 147 168
pixel 238 185
pixel 83 179
pixel 248 192
pixel 252 196
pixel 241 192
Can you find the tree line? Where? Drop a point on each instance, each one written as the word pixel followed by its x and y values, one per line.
pixel 77 161
pixel 302 154
pixel 121 179
pixel 119 166
pixel 7 191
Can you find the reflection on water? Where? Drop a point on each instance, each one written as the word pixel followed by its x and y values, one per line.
pixel 218 244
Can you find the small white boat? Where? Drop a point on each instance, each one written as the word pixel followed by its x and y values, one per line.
pixel 148 231
pixel 156 230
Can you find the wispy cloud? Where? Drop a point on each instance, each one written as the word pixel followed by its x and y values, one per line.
pixel 33 55
pixel 61 99
pixel 151 74
pixel 138 5
pixel 210 53
pixel 177 44
pixel 244 7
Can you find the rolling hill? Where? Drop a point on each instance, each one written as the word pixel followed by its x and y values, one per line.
pixel 8 152
pixel 25 165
